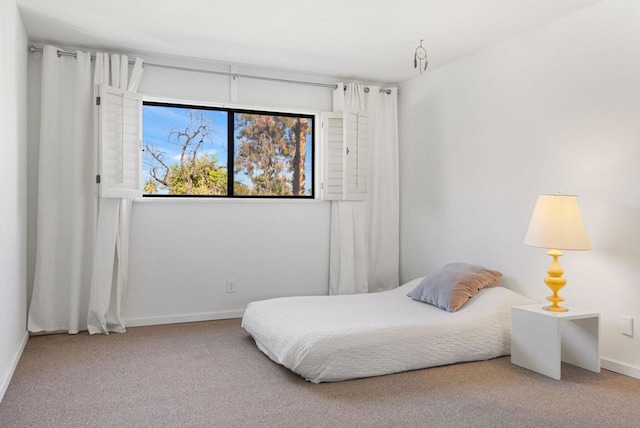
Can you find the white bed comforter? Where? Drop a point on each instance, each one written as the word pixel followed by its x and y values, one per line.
pixel 333 338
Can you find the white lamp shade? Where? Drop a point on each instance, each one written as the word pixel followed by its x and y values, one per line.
pixel 557 223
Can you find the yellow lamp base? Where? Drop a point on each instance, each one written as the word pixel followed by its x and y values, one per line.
pixel 555 282
pixel 557 308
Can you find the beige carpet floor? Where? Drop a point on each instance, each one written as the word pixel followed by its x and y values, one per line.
pixel 211 374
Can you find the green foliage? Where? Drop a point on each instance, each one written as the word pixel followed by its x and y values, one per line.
pixel 202 176
pixel 150 186
pixel 240 189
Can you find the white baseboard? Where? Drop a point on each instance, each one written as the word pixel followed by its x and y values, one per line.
pixel 176 319
pixel 6 379
pixel 618 367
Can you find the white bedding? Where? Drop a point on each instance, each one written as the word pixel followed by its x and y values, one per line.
pixel 333 338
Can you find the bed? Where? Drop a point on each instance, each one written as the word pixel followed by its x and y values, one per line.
pixel 335 338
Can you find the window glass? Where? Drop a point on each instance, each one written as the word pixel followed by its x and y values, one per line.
pixel 185 151
pixel 272 155
pixel 200 151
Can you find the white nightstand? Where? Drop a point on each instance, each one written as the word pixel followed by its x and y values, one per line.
pixel 541 339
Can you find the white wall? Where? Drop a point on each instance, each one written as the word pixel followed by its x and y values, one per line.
pixel 556 109
pixel 13 188
pixel 183 251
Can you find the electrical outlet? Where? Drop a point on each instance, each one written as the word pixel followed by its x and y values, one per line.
pixel 231 285
pixel 627 326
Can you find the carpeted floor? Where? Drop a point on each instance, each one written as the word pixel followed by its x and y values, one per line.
pixel 211 374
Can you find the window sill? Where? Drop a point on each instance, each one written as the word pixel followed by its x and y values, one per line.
pixel 197 200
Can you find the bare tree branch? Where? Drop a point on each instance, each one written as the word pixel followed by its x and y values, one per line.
pixel 159 157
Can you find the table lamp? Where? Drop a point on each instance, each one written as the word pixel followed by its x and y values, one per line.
pixel 556 223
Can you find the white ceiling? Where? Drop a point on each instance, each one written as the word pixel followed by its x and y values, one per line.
pixel 366 40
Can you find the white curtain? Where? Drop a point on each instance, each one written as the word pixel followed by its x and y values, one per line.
pixel 383 203
pixel 348 241
pixel 364 241
pixel 71 238
pixel 111 255
pixel 66 195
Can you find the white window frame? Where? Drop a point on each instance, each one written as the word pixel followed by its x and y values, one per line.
pixel 249 108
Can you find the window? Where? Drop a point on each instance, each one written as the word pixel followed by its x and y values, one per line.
pixel 212 151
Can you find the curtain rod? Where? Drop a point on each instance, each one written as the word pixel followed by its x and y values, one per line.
pixel 34 49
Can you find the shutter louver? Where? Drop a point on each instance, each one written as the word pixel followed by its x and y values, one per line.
pixel 120 143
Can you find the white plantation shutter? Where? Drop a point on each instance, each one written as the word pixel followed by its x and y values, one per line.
pixel 344 156
pixel 356 156
pixel 332 173
pixel 120 140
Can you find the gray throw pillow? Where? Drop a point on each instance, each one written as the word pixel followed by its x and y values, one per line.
pixel 451 286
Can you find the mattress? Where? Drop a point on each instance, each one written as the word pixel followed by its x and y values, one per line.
pixel 335 338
